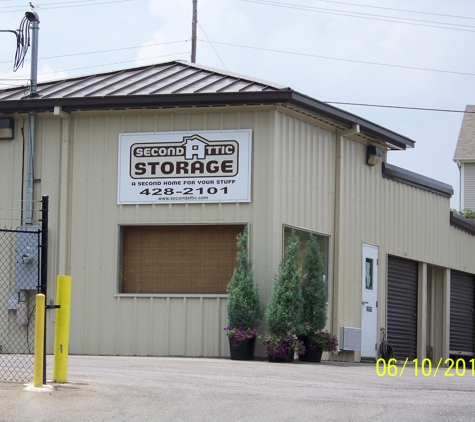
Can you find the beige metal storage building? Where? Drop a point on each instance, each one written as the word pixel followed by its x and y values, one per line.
pixel 185 156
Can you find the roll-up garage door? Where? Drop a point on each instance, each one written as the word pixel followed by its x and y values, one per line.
pixel 462 301
pixel 402 307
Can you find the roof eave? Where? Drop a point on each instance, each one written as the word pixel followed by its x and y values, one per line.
pixel 285 96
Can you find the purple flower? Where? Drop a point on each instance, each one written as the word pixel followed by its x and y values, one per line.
pixel 279 345
pixel 324 340
pixel 240 334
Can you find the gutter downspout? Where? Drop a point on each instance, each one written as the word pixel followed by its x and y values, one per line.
pixel 34 19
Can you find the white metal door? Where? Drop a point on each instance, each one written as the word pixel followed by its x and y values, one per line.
pixel 369 311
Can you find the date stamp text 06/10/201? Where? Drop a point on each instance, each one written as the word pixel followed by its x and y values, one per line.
pixel 424 368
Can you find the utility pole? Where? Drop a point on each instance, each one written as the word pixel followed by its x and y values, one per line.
pixel 193 31
pixel 32 16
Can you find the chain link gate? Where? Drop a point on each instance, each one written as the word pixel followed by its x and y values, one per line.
pixel 19 282
pixel 22 276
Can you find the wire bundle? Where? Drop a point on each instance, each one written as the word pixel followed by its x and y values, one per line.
pixel 22 43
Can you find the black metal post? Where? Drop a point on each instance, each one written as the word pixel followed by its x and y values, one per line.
pixel 44 264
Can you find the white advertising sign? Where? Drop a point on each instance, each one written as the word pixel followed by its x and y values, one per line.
pixel 185 167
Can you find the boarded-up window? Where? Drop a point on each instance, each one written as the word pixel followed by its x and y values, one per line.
pixel 177 259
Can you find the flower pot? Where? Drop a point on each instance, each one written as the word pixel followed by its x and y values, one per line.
pixel 244 350
pixel 279 359
pixel 312 353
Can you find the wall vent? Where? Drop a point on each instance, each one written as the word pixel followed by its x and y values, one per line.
pixel 350 338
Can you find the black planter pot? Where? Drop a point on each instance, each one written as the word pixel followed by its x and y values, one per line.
pixel 310 355
pixel 244 350
pixel 288 359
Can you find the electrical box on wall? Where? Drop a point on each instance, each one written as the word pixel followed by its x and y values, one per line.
pixel 12 301
pixel 27 258
pixel 350 338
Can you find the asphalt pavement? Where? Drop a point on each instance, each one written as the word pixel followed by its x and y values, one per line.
pixel 111 388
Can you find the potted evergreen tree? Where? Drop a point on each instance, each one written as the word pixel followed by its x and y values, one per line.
pixel 245 310
pixel 283 313
pixel 314 298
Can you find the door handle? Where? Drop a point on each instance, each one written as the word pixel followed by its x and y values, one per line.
pixel 364 303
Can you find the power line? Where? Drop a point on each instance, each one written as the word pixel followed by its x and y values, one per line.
pixel 255 48
pixel 107 64
pixel 212 46
pixel 393 19
pixel 104 51
pixel 396 10
pixel 75 5
pixel 400 107
pixel 41 5
pixel 344 60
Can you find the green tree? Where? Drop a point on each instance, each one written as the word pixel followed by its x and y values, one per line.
pixel 243 305
pixel 284 309
pixel 314 290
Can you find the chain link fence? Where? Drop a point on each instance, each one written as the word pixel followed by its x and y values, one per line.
pixel 20 268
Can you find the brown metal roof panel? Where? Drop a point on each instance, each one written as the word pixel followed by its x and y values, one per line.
pixel 14 93
pixel 164 78
pixel 198 82
pixel 177 82
pixel 234 86
pixel 85 86
pixel 95 84
pixel 225 84
pixel 61 89
pixel 125 83
pixel 253 86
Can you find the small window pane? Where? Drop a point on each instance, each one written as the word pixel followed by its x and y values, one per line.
pixel 369 274
pixel 304 237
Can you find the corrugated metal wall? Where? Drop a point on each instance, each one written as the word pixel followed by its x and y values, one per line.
pixel 160 326
pixel 435 314
pixel 11 152
pixel 404 221
pixel 294 182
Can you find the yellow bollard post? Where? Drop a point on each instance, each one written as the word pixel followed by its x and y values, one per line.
pixel 61 331
pixel 39 340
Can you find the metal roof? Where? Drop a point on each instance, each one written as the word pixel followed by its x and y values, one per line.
pixel 182 84
pixel 166 78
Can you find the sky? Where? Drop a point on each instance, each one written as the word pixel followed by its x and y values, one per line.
pixel 407 55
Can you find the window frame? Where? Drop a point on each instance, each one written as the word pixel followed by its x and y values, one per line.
pixel 165 295
pixel 326 257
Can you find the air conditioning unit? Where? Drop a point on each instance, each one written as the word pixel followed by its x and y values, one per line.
pixel 350 338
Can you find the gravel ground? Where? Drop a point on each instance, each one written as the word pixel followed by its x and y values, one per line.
pixel 110 388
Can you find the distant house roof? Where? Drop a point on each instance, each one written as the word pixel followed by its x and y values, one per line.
pixel 182 84
pixel 465 150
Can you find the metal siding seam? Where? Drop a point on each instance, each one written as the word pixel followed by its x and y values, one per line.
pixel 202 325
pixel 185 327
pixel 422 311
pixel 117 344
pixel 150 327
pixel 167 329
pixel 135 322
pixel 217 335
